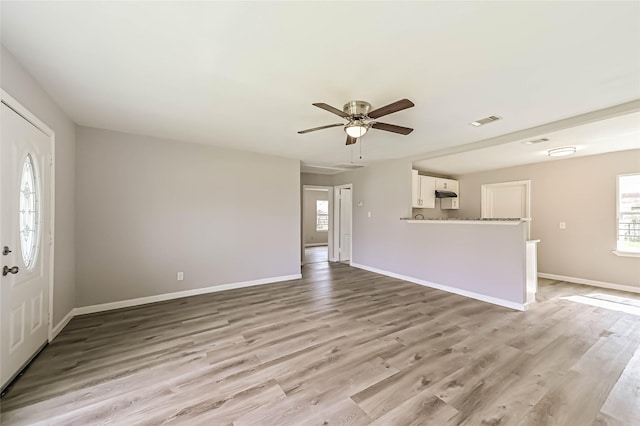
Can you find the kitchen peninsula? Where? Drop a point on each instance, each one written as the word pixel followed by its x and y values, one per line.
pixel 488 259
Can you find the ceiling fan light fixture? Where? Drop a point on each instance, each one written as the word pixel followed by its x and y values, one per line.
pixel 561 152
pixel 356 129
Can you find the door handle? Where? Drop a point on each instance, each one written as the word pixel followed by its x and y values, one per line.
pixel 6 250
pixel 6 270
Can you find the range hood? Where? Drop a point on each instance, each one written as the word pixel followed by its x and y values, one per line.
pixel 445 194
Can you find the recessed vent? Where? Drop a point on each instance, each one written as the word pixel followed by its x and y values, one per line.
pixel 349 166
pixel 535 141
pixel 484 121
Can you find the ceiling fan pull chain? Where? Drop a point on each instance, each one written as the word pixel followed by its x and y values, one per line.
pixel 360 149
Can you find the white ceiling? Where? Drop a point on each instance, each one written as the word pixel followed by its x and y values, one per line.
pixel 244 74
pixel 614 134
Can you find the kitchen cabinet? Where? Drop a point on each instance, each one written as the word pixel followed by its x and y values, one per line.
pixel 449 203
pixel 423 191
pixel 448 185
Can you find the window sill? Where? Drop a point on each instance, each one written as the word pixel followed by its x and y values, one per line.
pixel 625 253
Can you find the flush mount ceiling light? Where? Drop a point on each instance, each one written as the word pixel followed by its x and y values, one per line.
pixel 561 152
pixel 356 129
pixel 486 120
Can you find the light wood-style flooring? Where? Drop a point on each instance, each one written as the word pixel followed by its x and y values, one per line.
pixel 316 254
pixel 342 346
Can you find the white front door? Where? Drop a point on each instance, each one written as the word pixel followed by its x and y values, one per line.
pixel 25 242
pixel 345 224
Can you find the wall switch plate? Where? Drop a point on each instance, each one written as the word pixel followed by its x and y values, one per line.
pixel 563 225
pixel 180 276
pixel 368 214
pixel 360 203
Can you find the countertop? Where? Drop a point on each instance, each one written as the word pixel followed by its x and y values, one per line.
pixel 475 220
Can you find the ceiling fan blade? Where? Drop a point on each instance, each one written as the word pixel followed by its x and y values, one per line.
pixel 331 109
pixel 350 140
pixel 392 128
pixel 391 108
pixel 320 128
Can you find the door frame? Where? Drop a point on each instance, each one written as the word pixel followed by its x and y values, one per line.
pixel 333 252
pixel 527 188
pixel 21 110
pixel 330 231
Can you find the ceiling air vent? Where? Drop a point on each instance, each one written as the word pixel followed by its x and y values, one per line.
pixel 349 166
pixel 535 141
pixel 484 121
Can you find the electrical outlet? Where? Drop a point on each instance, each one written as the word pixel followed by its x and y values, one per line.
pixel 180 276
pixel 563 225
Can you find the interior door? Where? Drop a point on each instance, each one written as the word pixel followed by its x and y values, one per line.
pixel 507 199
pixel 345 224
pixel 25 194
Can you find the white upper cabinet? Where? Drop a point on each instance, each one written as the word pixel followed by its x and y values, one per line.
pixel 415 189
pixel 447 185
pixel 450 203
pixel 422 191
pixel 427 192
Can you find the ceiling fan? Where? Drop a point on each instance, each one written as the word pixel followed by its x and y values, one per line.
pixel 360 119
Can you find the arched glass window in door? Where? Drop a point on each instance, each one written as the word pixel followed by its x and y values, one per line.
pixel 29 213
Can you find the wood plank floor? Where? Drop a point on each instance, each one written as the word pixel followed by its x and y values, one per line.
pixel 341 346
pixel 316 254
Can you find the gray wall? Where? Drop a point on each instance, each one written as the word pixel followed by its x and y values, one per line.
pixel 148 208
pixel 579 191
pixel 312 236
pixel 19 84
pixel 462 256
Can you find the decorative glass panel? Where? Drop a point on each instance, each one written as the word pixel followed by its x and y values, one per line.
pixel 29 213
pixel 322 215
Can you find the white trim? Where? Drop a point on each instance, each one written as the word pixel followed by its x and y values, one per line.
pixel 62 324
pixel 316 245
pixel 625 253
pixel 12 103
pixel 466 293
pixel 329 243
pixel 618 252
pixel 179 294
pixel 593 283
pixel 334 255
pixel 484 203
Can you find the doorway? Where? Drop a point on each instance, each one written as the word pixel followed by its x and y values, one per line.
pixel 343 214
pixel 316 223
pixel 507 200
pixel 26 235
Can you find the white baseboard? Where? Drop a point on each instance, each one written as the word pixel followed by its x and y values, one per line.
pixel 470 294
pixel 316 244
pixel 590 282
pixel 179 294
pixel 63 322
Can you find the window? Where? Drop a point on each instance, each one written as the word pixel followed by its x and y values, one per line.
pixel 322 215
pixel 28 213
pixel 629 213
